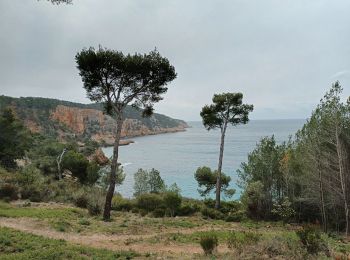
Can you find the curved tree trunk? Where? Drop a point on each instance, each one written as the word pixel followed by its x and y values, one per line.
pixel 218 179
pixel 114 168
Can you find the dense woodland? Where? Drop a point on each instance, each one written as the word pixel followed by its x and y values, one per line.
pixel 306 179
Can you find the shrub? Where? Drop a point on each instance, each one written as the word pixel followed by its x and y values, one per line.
pixel 283 246
pixel 84 222
pixel 92 173
pixel 237 216
pixel 188 209
pixel 310 237
pixel 238 240
pixel 81 200
pixel 142 212
pixel 62 225
pixel 158 213
pixel 234 241
pixel 95 202
pixel 209 243
pixel 121 204
pixel 172 202
pixel 212 213
pixel 94 208
pixel 8 191
pixel 77 164
pixel 283 210
pixel 149 202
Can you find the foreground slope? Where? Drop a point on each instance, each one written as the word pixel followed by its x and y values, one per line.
pixel 60 231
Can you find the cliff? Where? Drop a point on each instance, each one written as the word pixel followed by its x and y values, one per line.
pixel 66 120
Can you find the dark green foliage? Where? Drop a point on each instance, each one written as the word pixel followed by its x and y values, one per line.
pixel 8 191
pixel 283 210
pixel 81 201
pixel 262 177
pixel 158 213
pixel 87 173
pixel 172 202
pixel 188 208
pixel 254 200
pixel 77 164
pixel 94 207
pixel 227 108
pixel 149 202
pixel 156 183
pixel 212 213
pixel 207 178
pixel 137 78
pixel 209 242
pixel 307 178
pixel 236 216
pixel 15 139
pixel 122 204
pixel 310 237
pixel 92 173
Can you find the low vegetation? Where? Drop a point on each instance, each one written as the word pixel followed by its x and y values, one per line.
pixel 19 245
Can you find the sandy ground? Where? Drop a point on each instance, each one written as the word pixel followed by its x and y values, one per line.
pixel 112 242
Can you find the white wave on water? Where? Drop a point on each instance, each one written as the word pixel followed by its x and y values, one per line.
pixel 126 164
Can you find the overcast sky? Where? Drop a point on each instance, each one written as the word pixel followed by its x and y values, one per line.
pixel 282 54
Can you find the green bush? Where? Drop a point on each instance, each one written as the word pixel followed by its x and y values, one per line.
pixel 92 173
pixel 8 191
pixel 283 210
pixel 77 164
pixel 237 216
pixel 158 213
pixel 172 202
pixel 149 202
pixel 81 200
pixel 188 209
pixel 209 243
pixel 84 222
pixel 94 208
pixel 238 240
pixel 211 213
pixel 122 204
pixel 310 237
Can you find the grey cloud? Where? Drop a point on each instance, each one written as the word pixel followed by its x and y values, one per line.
pixel 278 53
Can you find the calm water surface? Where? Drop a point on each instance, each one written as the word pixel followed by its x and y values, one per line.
pixel 178 155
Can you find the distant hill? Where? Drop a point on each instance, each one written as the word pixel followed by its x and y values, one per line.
pixel 68 120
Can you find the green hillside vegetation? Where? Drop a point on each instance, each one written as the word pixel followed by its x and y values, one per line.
pixel 39 109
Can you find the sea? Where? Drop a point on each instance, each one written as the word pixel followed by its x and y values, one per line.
pixel 177 155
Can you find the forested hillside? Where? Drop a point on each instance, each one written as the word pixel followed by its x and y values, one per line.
pixel 66 119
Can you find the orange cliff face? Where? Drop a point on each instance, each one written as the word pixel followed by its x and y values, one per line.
pixel 76 118
pixel 92 123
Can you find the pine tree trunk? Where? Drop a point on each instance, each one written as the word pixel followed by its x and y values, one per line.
pixel 323 209
pixel 114 168
pixel 218 179
pixel 342 177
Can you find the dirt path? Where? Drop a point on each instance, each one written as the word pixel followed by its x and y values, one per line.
pixel 111 242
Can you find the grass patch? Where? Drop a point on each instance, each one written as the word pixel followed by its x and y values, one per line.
pixel 9 211
pixel 19 245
